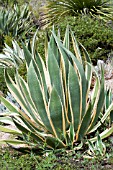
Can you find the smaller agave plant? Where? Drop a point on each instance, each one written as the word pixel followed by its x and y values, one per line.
pixel 96 150
pixel 56 108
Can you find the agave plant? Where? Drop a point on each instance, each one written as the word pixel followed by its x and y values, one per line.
pixel 57 9
pixel 11 19
pixel 16 23
pixel 56 106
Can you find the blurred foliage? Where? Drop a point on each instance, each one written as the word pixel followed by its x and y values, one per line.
pixel 35 7
pixel 6 3
pixel 8 40
pixel 22 71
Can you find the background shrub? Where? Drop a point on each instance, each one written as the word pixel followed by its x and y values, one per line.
pixel 93 34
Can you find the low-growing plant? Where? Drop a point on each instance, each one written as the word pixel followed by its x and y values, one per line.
pixel 97 150
pixel 62 160
pixel 58 111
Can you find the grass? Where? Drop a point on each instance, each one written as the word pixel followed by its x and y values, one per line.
pixel 60 160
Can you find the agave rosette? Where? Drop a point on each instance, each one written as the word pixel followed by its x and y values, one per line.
pixel 56 106
pixel 57 9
